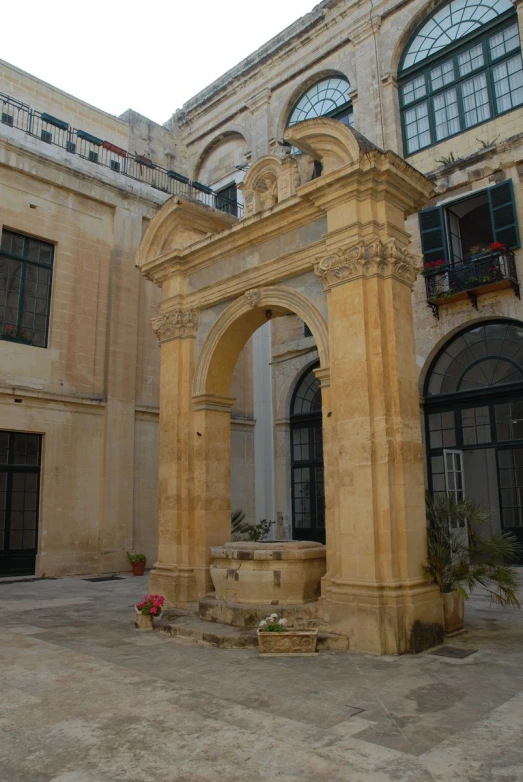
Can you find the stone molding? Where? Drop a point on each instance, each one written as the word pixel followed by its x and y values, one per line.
pixel 383 259
pixel 179 324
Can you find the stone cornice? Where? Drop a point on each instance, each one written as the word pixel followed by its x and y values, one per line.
pixel 177 324
pixel 383 259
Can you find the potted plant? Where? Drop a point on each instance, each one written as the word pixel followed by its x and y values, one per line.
pixel 432 267
pixel 146 610
pixel 460 559
pixel 137 562
pixel 274 638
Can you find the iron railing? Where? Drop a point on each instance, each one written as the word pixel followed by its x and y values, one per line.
pixel 482 274
pixel 59 133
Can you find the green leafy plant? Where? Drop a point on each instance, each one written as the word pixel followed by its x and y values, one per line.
pixel 447 160
pixel 252 531
pixel 133 557
pixel 273 624
pixel 486 143
pixel 461 559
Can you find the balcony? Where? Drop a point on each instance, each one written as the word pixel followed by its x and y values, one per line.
pixel 57 132
pixel 485 272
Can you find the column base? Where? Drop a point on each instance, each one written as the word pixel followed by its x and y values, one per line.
pixel 384 618
pixel 179 583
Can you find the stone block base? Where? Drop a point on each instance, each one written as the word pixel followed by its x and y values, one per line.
pixel 212 609
pixel 178 584
pixel 384 619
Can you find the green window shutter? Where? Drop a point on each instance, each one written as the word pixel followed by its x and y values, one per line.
pixel 503 214
pixel 433 235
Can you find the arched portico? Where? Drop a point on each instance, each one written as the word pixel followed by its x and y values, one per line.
pixel 335 252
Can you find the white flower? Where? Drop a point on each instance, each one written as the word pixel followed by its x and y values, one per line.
pixel 283 622
pixel 273 616
pixel 263 623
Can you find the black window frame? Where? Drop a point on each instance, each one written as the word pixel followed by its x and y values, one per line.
pixel 226 202
pixel 25 263
pixel 479 36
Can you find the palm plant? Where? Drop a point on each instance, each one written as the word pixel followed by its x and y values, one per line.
pixel 460 559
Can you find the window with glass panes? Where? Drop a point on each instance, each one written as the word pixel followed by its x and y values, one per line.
pixel 26 266
pixel 461 69
pixel 327 98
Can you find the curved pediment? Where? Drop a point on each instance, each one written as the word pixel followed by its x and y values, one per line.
pixel 179 223
pixel 329 141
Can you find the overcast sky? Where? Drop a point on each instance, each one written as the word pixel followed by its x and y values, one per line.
pixel 148 56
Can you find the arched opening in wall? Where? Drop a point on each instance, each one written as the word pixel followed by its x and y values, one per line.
pixel 221 167
pixel 219 373
pixel 307 471
pixel 474 420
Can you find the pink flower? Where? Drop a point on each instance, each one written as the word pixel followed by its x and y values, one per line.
pixel 153 610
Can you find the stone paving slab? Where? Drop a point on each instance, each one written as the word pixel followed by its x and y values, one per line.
pixel 86 698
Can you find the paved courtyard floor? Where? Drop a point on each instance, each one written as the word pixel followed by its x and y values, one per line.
pixel 86 698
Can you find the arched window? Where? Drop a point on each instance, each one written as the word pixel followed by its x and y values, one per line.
pixel 474 421
pixel 327 98
pixel 461 68
pixel 308 495
pixel 484 356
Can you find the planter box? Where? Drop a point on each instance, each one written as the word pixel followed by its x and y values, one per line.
pixel 453 612
pixel 143 621
pixel 295 643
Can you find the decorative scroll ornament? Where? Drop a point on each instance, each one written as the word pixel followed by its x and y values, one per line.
pixel 179 324
pixel 341 265
pixel 378 259
pixel 253 297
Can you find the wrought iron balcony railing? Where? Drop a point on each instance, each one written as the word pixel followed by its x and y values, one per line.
pixel 58 132
pixel 485 273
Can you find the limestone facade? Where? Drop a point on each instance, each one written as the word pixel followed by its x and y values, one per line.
pixel 218 138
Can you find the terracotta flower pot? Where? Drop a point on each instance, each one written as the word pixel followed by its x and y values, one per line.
pixel 138 568
pixel 143 621
pixel 453 612
pixel 292 642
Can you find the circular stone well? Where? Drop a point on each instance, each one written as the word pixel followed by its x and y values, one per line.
pixel 273 572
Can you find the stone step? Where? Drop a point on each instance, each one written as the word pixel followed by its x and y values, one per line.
pixel 241 615
pixel 191 628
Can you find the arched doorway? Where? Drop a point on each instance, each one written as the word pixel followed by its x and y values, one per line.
pixel 307 477
pixel 474 420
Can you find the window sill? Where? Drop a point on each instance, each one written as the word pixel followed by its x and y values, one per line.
pixel 19 340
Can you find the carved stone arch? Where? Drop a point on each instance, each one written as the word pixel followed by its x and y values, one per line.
pixel 271 180
pixel 295 93
pixel 231 132
pixel 238 322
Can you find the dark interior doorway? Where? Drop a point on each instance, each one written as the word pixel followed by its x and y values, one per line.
pixel 20 455
pixel 308 494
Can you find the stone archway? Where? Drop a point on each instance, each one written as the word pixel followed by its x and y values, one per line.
pixel 335 252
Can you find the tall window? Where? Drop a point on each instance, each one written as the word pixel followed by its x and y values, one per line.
pixel 26 267
pixel 456 232
pixel 463 67
pixel 327 98
pixel 474 421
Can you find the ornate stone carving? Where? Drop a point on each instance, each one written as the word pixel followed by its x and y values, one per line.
pixel 253 296
pixel 179 324
pixel 380 258
pixel 341 265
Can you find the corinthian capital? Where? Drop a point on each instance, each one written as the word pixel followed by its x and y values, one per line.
pixel 179 324
pixel 378 259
